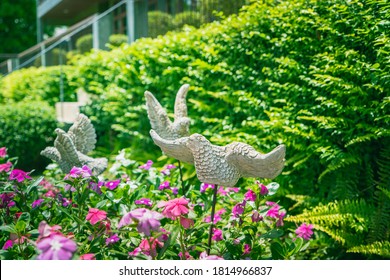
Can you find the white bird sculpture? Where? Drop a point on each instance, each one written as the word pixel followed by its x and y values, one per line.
pixel 70 148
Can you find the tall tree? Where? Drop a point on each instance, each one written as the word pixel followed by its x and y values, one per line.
pixel 17 25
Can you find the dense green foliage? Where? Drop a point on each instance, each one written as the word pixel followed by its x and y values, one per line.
pixel 38 84
pixel 313 75
pixel 26 128
pixel 84 43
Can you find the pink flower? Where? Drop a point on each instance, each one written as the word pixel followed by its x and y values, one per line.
pixel 217 216
pixel 18 175
pixel 112 239
pixel 112 185
pixel 204 256
pixel 250 195
pixel 37 203
pixel 263 189
pixel 56 247
pixel 163 235
pixel 8 244
pixel 167 169
pixel 164 185
pixel 3 152
pixel 45 230
pixel 205 186
pixel 188 256
pixel 144 201
pixel 217 235
pixel 5 167
pixel 147 220
pixel 273 212
pixel 95 215
pixel 256 217
pixel 174 208
pixel 136 252
pixel 238 209
pixel 305 231
pixel 6 200
pixel 77 172
pixel 148 247
pixel 147 165
pixel 279 222
pixel 186 223
pixel 88 257
pixel 247 249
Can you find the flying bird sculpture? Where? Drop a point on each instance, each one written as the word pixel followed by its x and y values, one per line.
pixel 160 121
pixel 70 148
pixel 222 165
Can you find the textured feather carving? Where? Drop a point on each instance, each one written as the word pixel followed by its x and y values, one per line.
pixel 160 121
pixel 70 148
pixel 223 165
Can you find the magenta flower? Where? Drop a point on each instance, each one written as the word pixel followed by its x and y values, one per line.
pixel 112 185
pixel 112 239
pixel 247 249
pixel 167 169
pixel 77 172
pixel 205 186
pixel 175 191
pixel 204 256
pixel 187 255
pixel 143 201
pixel 66 202
pixel 263 189
pixel 19 175
pixel 164 185
pixel 3 152
pixel 148 247
pixel 238 209
pixel 147 220
pixel 88 257
pixel 217 216
pixel 174 208
pixel 56 247
pixel 273 212
pixel 37 203
pixel 136 252
pixel 45 230
pixel 96 187
pixel 217 235
pixel 95 215
pixel 305 231
pixel 279 222
pixel 5 167
pixel 6 200
pixel 250 195
pixel 147 165
pixel 186 223
pixel 8 244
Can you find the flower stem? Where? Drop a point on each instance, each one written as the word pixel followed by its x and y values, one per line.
pixel 212 218
pixel 181 234
pixel 181 179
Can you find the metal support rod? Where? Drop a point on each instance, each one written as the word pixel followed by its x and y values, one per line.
pixel 212 218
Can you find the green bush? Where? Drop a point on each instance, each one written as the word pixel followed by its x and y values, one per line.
pixel 84 43
pixel 159 23
pixel 116 40
pixel 26 128
pixel 39 84
pixel 191 18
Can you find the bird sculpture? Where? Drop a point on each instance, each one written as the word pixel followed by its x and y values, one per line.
pixel 70 148
pixel 222 165
pixel 160 121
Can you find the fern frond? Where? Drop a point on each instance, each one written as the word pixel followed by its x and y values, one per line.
pixel 386 192
pixel 381 248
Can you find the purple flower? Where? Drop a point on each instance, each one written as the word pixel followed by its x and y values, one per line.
pixel 5 167
pixel 6 200
pixel 66 202
pixel 238 209
pixel 164 185
pixel 37 203
pixel 256 217
pixel 8 244
pixel 217 235
pixel 77 172
pixel 147 220
pixel 112 239
pixel 18 175
pixel 112 185
pixel 147 165
pixel 263 189
pixel 305 231
pixel 217 216
pixel 167 169
pixel 205 186
pixel 3 152
pixel 68 187
pixel 175 191
pixel 144 201
pixel 204 256
pixel 250 195
pixel 96 187
pixel 56 247
pixel 247 249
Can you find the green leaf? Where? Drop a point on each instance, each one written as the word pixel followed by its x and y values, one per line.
pixel 278 251
pixel 34 185
pixel 275 233
pixel 20 226
pixel 8 228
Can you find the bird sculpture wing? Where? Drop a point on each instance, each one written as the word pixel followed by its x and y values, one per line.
pixel 51 153
pixel 251 163
pixel 67 150
pixel 82 134
pixel 174 148
pixel 160 121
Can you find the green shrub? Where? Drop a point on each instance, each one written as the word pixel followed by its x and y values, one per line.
pixel 191 18
pixel 84 43
pixel 39 84
pixel 116 40
pixel 26 128
pixel 159 23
